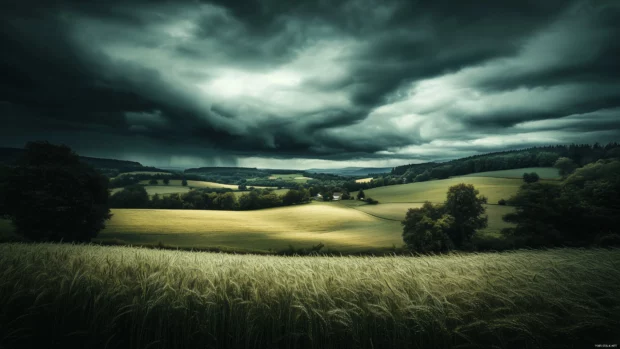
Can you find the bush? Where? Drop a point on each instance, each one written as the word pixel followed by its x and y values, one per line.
pixel 530 177
pixel 371 201
pixel 153 182
pixel 501 202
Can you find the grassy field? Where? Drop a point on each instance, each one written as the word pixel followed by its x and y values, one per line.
pixel 435 191
pixel 363 180
pixel 301 226
pixel 397 211
pixel 543 172
pixel 118 297
pixel 346 226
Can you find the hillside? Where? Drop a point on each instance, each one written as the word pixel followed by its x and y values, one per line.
pixel 352 171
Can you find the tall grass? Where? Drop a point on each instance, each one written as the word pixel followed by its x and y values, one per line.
pixel 120 297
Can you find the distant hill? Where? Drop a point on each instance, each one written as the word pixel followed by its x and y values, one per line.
pixel 10 155
pixel 352 171
pixel 109 167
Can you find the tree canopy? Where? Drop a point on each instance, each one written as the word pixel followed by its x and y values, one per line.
pixel 436 228
pixel 52 196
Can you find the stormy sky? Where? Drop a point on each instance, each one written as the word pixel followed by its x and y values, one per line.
pixel 300 84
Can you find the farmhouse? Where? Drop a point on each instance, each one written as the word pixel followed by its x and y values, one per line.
pixel 337 196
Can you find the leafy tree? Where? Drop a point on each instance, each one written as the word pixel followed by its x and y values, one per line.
pixel 243 187
pixel 53 196
pixel 133 196
pixel 227 201
pixel 361 195
pixel 422 177
pixel 184 182
pixel 426 229
pixel 153 182
pixel 466 207
pixel 166 181
pixel 566 166
pixel 501 202
pixel 530 177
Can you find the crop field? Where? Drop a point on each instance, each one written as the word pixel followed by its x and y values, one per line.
pixel 435 191
pixel 120 297
pixel 543 173
pixel 302 226
pixel 363 180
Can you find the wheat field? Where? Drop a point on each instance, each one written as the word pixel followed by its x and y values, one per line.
pixel 120 297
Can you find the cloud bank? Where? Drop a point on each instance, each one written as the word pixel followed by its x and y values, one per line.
pixel 296 84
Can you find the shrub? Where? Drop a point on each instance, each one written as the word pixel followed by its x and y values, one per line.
pixel 530 177
pixel 501 202
pixel 371 201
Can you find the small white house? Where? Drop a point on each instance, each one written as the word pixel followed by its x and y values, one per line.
pixel 337 196
pixel 318 197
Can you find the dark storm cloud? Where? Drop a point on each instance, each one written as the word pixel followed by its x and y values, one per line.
pixel 327 80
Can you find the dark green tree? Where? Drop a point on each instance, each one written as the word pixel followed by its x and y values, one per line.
pixel 166 181
pixel 467 208
pixel 53 196
pixel 153 182
pixel 133 196
pixel 530 177
pixel 361 195
pixel 426 229
pixel 184 182
pixel 566 166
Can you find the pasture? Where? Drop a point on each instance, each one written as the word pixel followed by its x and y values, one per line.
pixel 119 297
pixel 302 226
pixel 435 191
pixel 543 173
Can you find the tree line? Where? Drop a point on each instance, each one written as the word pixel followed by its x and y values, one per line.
pixel 136 196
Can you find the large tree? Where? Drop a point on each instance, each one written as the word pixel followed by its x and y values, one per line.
pixel 52 196
pixel 425 229
pixel 467 208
